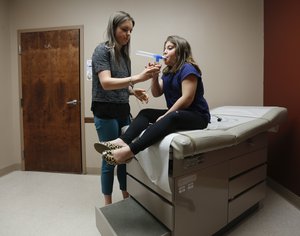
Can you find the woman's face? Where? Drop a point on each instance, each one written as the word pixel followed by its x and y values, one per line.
pixel 169 53
pixel 123 32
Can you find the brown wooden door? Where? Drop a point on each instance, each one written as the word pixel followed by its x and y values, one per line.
pixel 50 75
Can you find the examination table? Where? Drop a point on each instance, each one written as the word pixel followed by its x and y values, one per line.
pixel 206 180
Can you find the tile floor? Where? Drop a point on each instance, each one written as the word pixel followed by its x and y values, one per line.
pixel 46 204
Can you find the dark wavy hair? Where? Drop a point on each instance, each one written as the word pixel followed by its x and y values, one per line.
pixel 183 54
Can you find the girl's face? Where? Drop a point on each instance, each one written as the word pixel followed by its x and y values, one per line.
pixel 123 32
pixel 169 53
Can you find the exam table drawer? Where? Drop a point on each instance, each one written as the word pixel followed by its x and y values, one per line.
pixel 247 180
pixel 247 161
pixel 248 199
pixel 158 206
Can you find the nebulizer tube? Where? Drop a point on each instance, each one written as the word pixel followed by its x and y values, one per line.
pixel 156 57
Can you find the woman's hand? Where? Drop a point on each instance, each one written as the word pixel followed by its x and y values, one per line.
pixel 141 95
pixel 151 70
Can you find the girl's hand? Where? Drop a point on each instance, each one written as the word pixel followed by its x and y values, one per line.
pixel 141 95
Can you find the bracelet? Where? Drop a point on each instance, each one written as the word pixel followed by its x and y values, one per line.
pixel 130 82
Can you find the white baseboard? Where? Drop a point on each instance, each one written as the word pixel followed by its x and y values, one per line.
pixel 11 168
pixel 8 169
pixel 284 192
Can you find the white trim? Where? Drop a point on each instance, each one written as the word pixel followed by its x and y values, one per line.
pixel 8 169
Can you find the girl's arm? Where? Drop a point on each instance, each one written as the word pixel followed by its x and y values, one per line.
pixel 156 86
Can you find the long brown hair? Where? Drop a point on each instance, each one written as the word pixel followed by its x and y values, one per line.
pixel 183 54
pixel 114 21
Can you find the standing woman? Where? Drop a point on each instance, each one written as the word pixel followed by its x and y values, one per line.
pixel 112 85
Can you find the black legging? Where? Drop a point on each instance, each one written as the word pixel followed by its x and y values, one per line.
pixel 155 131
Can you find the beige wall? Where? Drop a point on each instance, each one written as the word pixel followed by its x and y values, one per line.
pixel 7 155
pixel 226 37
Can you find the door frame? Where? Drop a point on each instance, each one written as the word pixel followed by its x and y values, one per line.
pixel 81 102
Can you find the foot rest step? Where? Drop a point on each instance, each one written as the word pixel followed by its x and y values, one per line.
pixel 128 218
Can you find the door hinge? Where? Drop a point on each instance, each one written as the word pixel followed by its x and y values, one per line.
pixel 21 102
pixel 20 50
pixel 23 155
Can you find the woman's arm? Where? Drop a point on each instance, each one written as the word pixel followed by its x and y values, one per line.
pixel 109 83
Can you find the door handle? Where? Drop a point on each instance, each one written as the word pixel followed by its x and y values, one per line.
pixel 73 102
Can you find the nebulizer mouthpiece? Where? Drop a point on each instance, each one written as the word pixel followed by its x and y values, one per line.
pixel 157 57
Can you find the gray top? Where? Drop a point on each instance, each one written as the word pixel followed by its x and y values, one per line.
pixel 103 60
